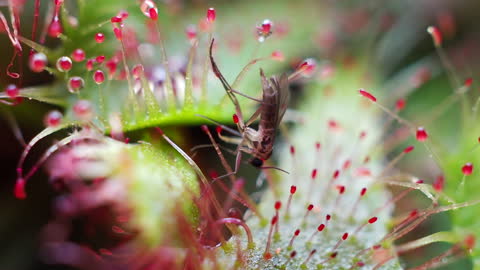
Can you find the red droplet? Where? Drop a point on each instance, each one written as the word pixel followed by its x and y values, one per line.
pixel 267 256
pixel 64 64
pixel 307 67
pixel 468 82
pixel 297 232
pixel 293 254
pixel 333 255
pixel 367 95
pixel 400 104
pixel 78 55
pixel 218 129
pixel 408 149
pixel 436 35
pixel 314 173
pixel 89 64
pixel 360 264
pixel 341 189
pixel 274 220
pixel 439 183
pixel 362 193
pixel 99 37
pixel 211 15
pixel 38 62
pixel 317 146
pixel 98 77
pixel 55 28
pixel 310 207
pixel 334 125
pixel 420 181
pixel 278 205
pixel 372 220
pixel 235 119
pixel 149 9
pixel 99 59
pixel 421 134
pixel 12 91
pixel 336 173
pixel 53 118
pixel 321 227
pixel 467 169
pixel 293 189
pixel 112 67
pixel 292 150
pixel 191 32
pixel 153 14
pixel 160 131
pixel 328 217
pixel 363 134
pixel 116 19
pixel 413 213
pixel 344 236
pixel 75 84
pixel 266 27
pixel 469 241
pixel 19 190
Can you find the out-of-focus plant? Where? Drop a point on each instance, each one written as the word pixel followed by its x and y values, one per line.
pixel 146 204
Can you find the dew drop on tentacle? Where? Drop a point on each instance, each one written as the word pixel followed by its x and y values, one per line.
pixel 211 15
pixel 421 134
pixel 99 77
pixel 75 84
pixel 53 118
pixel 64 64
pixel 99 59
pixel 99 37
pixel 149 9
pixel 467 169
pixel 12 91
pixel 38 62
pixel 78 55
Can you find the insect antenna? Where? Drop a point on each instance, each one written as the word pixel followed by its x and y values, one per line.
pixel 275 168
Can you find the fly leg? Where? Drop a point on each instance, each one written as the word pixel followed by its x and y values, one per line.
pixel 247 96
pixel 238 160
pixel 225 84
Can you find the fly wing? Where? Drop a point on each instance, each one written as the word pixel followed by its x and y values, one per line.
pixel 283 96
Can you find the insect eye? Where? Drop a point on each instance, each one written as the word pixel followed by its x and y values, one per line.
pixel 256 162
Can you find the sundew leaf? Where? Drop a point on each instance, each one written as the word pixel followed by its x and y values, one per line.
pixel 317 150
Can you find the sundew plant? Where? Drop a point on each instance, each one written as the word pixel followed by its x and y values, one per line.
pixel 239 134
